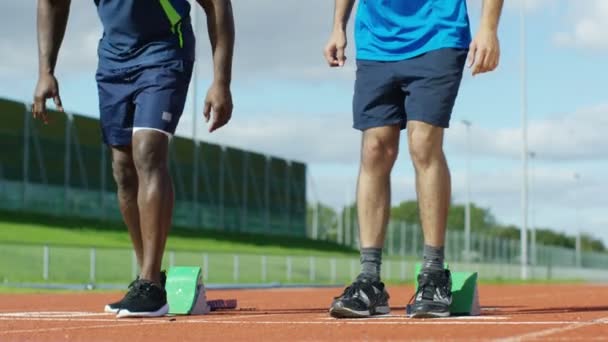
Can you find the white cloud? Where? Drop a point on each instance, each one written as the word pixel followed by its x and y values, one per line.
pixel 571 136
pixel 19 51
pixel 279 39
pixel 309 138
pixel 530 5
pixel 588 26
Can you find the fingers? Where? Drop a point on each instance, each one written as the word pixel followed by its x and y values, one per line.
pixel 472 52
pixel 57 100
pixel 39 109
pixel 494 56
pixel 221 117
pixel 340 57
pixel 330 55
pixel 207 110
pixel 485 59
pixel 479 66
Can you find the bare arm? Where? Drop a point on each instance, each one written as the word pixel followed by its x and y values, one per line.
pixel 52 22
pixel 220 25
pixel 342 13
pixel 334 50
pixel 484 53
pixel 490 16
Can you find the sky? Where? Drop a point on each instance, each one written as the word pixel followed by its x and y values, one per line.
pixel 288 103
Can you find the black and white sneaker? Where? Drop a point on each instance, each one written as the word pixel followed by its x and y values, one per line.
pixel 144 299
pixel 363 298
pixel 114 307
pixel 433 296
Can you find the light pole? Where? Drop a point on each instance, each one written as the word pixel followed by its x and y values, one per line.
pixel 467 208
pixel 524 150
pixel 578 246
pixel 532 210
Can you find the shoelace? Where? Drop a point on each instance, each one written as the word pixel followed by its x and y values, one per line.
pixel 139 288
pixel 427 286
pixel 351 290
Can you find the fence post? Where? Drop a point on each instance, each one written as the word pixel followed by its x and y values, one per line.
pixel 403 265
pixel 133 265
pixel 332 266
pixel 391 238
pixel 236 268
pixel 26 155
pixel 45 262
pixel 288 268
pixel 171 259
pixel 415 239
pixel 311 268
pixel 205 267
pixel 403 239
pixel 92 266
pixel 264 262
pixel 67 163
pixel 102 174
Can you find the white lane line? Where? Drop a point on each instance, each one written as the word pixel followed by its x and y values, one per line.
pixel 76 320
pixel 212 320
pixel 100 326
pixel 403 317
pixel 557 330
pixel 53 314
pixel 379 322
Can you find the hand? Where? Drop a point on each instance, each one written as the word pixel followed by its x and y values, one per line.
pixel 334 50
pixel 484 52
pixel 218 100
pixel 46 88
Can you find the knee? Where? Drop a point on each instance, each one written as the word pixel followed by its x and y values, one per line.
pixel 149 157
pixel 424 149
pixel 378 154
pixel 125 174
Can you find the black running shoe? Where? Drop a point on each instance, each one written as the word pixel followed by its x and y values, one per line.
pixel 433 296
pixel 114 307
pixel 144 299
pixel 363 298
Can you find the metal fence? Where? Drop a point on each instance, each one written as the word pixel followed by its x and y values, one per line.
pixel 27 264
pixel 64 169
pixel 404 239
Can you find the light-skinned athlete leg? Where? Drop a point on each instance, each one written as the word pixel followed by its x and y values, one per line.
pixel 433 185
pixel 379 150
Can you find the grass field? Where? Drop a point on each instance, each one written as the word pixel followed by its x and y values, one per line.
pixel 24 228
pixel 70 242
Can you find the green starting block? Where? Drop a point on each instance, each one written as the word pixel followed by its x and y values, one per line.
pixel 465 296
pixel 185 291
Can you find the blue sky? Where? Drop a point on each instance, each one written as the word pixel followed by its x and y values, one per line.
pixel 287 103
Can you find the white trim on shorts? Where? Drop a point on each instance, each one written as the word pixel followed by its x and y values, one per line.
pixel 169 135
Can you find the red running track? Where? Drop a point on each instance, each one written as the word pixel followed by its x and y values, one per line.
pixel 509 313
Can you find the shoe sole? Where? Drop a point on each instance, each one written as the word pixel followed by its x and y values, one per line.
pixel 342 312
pixel 429 315
pixel 109 309
pixel 124 313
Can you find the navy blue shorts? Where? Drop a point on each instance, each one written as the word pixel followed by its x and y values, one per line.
pixel 141 97
pixel 423 88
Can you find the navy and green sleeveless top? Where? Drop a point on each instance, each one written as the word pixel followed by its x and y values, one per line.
pixel 144 32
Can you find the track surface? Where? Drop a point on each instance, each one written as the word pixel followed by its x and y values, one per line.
pixel 509 313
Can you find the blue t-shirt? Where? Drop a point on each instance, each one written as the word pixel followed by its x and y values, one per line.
pixel 392 30
pixel 144 32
